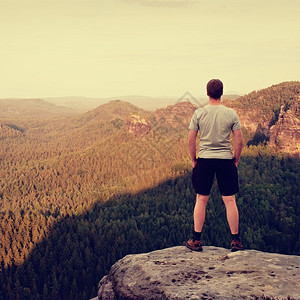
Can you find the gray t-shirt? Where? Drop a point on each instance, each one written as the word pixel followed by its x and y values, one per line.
pixel 215 123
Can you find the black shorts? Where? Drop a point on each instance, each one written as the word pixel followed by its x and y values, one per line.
pixel 226 173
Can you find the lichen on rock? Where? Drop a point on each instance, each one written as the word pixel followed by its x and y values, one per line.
pixel 216 273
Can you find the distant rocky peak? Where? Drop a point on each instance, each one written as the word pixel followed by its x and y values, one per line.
pixel 285 134
pixel 295 108
pixel 138 125
pixel 272 116
pixel 179 112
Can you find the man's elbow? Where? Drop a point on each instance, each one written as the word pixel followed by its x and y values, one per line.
pixel 238 138
pixel 192 136
pixel 240 142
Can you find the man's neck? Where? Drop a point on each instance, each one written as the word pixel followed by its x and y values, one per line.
pixel 213 101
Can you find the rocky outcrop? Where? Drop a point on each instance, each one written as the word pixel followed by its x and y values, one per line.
pixel 173 115
pixel 216 273
pixel 285 134
pixel 138 126
pixel 250 116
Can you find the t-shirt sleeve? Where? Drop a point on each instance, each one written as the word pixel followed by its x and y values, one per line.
pixel 236 122
pixel 194 122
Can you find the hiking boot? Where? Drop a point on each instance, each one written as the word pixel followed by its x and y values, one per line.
pixel 194 245
pixel 236 246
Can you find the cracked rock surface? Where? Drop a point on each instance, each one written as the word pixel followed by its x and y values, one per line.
pixel 216 273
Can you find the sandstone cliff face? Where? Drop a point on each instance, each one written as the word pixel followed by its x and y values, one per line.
pixel 250 117
pixel 138 126
pixel 216 273
pixel 173 115
pixel 285 134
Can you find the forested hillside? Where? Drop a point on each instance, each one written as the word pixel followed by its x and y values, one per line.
pixel 272 115
pixel 265 104
pixel 31 108
pixel 78 193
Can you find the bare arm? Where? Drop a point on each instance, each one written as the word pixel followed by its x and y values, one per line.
pixel 192 145
pixel 238 145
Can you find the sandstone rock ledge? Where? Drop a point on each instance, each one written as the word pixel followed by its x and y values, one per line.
pixel 216 273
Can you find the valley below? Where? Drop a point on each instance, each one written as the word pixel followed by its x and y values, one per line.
pixel 80 190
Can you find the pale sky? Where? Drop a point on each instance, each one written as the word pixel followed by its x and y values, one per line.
pixel 107 48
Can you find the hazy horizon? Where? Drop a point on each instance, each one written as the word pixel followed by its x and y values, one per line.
pixel 154 48
pixel 120 97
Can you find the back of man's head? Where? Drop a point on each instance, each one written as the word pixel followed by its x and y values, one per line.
pixel 214 88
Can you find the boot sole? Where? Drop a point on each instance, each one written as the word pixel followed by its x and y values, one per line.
pixel 195 249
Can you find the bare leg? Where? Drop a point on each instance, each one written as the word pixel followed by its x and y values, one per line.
pixel 232 213
pixel 199 212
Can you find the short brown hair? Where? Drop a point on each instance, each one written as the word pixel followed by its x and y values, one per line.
pixel 214 88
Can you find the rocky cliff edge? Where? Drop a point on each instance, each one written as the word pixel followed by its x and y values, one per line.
pixel 216 273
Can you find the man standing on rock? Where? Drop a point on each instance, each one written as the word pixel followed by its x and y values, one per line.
pixel 215 122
